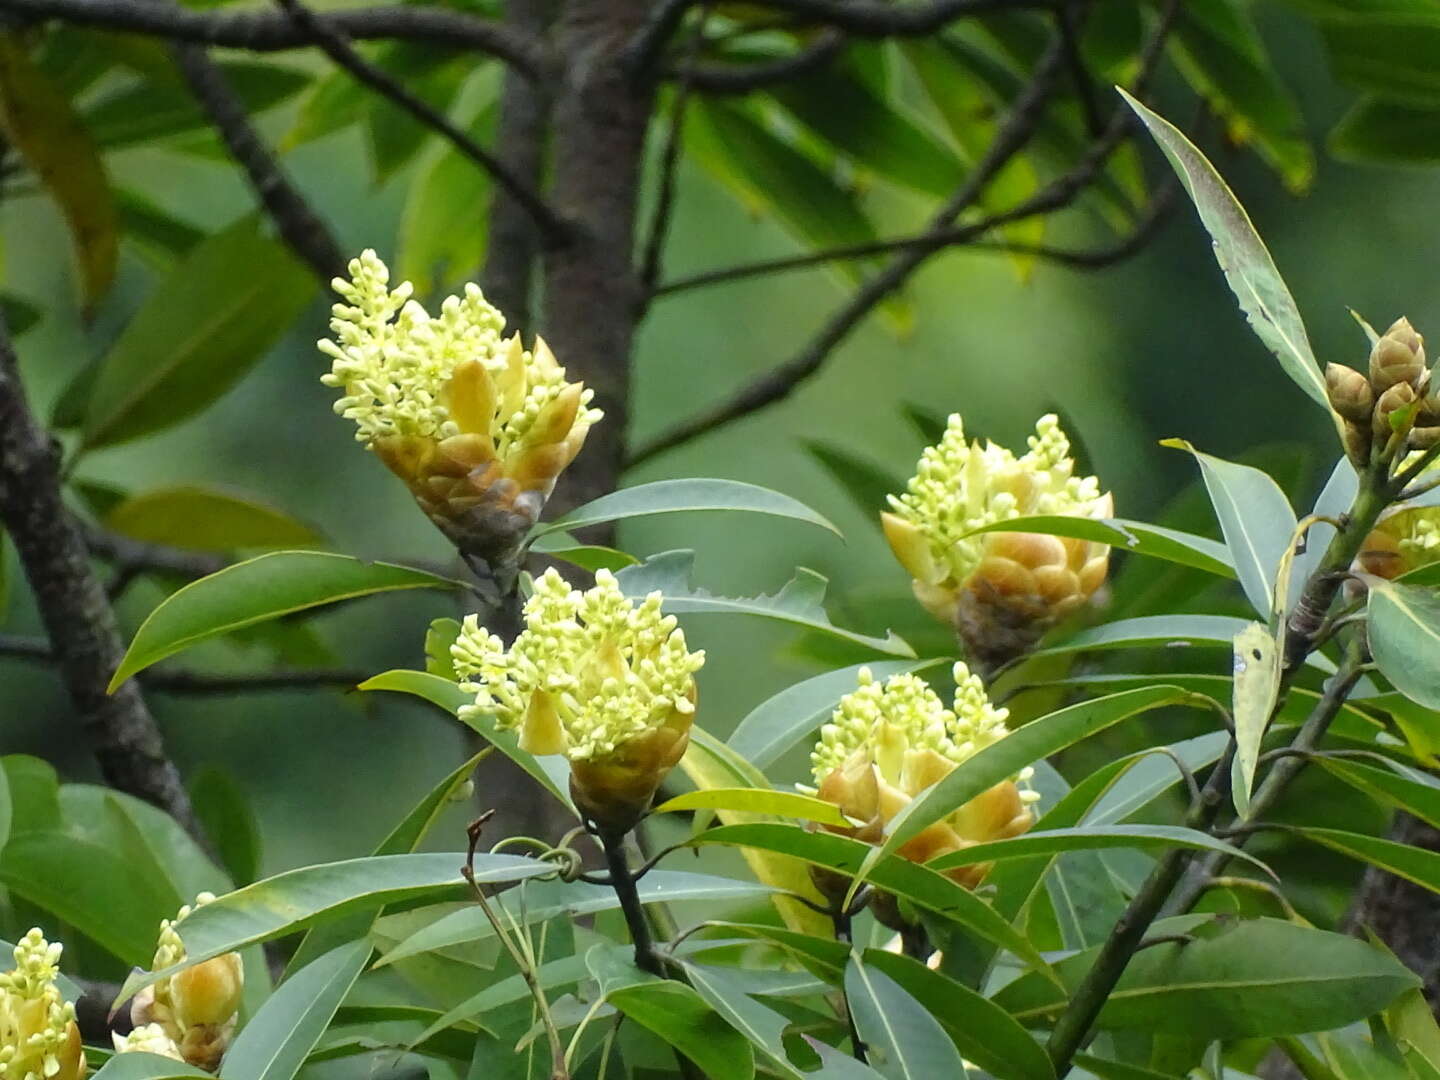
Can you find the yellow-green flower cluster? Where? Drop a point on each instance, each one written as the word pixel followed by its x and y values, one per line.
pixel 39 1039
pixel 478 426
pixel 887 743
pixel 189 1016
pixel 605 682
pixel 1000 590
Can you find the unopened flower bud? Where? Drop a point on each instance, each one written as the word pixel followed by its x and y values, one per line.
pixel 1357 442
pixel 208 993
pixel 147 1039
pixel 1424 438
pixel 1397 357
pixel 1349 393
pixel 1400 396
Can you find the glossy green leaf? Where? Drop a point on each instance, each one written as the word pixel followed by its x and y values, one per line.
pixel 679 1016
pixel 229 822
pixel 1255 517
pixel 1381 131
pixel 197 334
pixel 902 1040
pixel 1413 1027
pixel 778 723
pixel 551 772
pixel 1393 786
pixel 1090 838
pixel 255 591
pixel 1247 266
pixel 1403 860
pixel 435 75
pixel 918 884
pixel 1150 631
pixel 444 228
pixel 684 496
pixel 757 801
pixel 158 236
pixel 982 1031
pixel 275 1041
pixel 1001 760
pixel 1405 638
pixel 800 602
pixel 724 992
pixel 591 557
pixel 1393 55
pixel 206 520
pixel 1151 776
pixel 1256 688
pixel 1137 537
pixel 1257 977
pixel 138 1065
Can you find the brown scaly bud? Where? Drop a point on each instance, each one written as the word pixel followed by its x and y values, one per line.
pixel 1399 396
pixel 1349 393
pixel 1397 357
pixel 1357 442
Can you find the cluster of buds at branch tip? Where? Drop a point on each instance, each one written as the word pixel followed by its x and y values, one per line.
pixel 189 1016
pixel 477 426
pixel 1397 396
pixel 1001 591
pixel 39 1039
pixel 887 743
pixel 593 676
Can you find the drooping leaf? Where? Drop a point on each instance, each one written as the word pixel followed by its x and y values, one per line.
pixel 200 330
pixel 41 125
pixel 790 804
pixel 1149 631
pixel 683 496
pixel 1089 838
pixel 1257 658
pixel 1138 537
pixel 1255 518
pixel 679 1016
pixel 444 228
pixel 800 602
pixel 1407 789
pixel 1404 625
pixel 206 520
pixel 760 1024
pixel 435 75
pixel 1257 977
pixel 1403 860
pixel 866 483
pixel 1382 131
pixel 903 1041
pixel 275 1041
pixel 1247 266
pixel 1391 54
pixel 258 589
pixel 229 822
pixel 1154 774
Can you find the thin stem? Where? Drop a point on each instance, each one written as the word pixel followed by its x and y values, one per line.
pixel 622 880
pixel 841 919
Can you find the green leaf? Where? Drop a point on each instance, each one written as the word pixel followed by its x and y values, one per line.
pixel 902 1040
pixel 160 237
pixel 1258 977
pixel 1255 517
pixel 757 801
pixel 683 496
pixel 1149 631
pixel 1115 1070
pixel 1392 55
pixel 7 809
pixel 1403 860
pixel 1256 688
pixel 1405 638
pixel 800 602
pixel 778 723
pixel 591 557
pixel 206 520
pixel 55 144
pixel 1380 131
pixel 1412 1025
pixel 440 248
pixel 255 591
pixel 918 884
pixel 1152 775
pixel 865 483
pixel 1090 838
pixel 1001 760
pixel 433 74
pixel 197 334
pixel 761 1025
pixel 274 1043
pixel 138 1065
pixel 679 1016
pixel 229 821
pixel 1419 796
pixel 982 1031
pixel 551 772
pixel 1137 537
pixel 1247 266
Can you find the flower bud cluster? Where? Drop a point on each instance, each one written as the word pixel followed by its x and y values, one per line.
pixel 594 677
pixel 1397 396
pixel 39 1039
pixel 477 426
pixel 887 743
pixel 1000 590
pixel 189 1016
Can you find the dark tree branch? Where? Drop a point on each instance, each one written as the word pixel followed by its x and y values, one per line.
pixel 266 31
pixel 299 226
pixel 719 78
pixel 1068 18
pixel 138 556
pixel 334 43
pixel 513 244
pixel 72 604
pixel 1019 125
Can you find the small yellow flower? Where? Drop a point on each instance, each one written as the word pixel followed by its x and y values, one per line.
pixel 39 1039
pixel 147 1039
pixel 195 1009
pixel 592 676
pixel 887 743
pixel 999 590
pixel 477 426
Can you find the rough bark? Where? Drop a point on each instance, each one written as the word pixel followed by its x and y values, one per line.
pixel 73 606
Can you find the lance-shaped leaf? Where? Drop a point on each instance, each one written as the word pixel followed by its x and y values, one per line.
pixel 681 1017
pixel 1242 256
pixel 800 602
pixel 724 992
pixel 1256 688
pixel 1138 537
pixel 206 520
pixel 1403 860
pixel 790 804
pixel 902 1040
pixel 1407 789
pixel 139 1065
pixel 257 590
pixel 1090 838
pixel 1405 638
pixel 684 496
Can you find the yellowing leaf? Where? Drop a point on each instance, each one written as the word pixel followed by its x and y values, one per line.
pixel 1257 684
